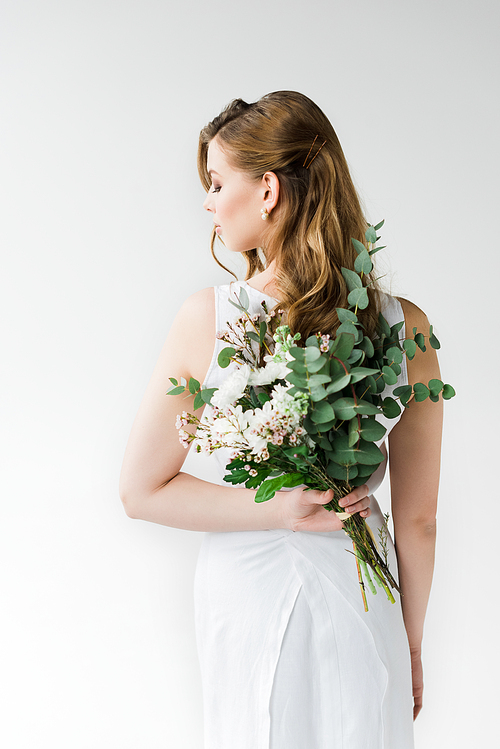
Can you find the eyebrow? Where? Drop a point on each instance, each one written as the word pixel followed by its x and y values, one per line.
pixel 212 171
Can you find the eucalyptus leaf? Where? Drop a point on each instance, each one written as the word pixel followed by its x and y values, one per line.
pixel 367 346
pixel 433 341
pixel 448 392
pixel 359 298
pixel 363 263
pixel 207 393
pixel 262 331
pixel 352 279
pixel 253 336
pixel 318 380
pixel 368 453
pixel 367 408
pixel 421 391
pixel 371 235
pixel 312 354
pixel 297 366
pixel 391 408
pixel 198 402
pixel 420 341
pixel 372 430
pixel 379 225
pixel 317 393
pixel 224 358
pixel 343 345
pixel 176 390
pixel 359 373
pixel 389 375
pixel 322 412
pixel 410 347
pixel 403 392
pixel 346 315
pixel 358 246
pixel 435 386
pixel 297 352
pixel 344 408
pixel 395 354
pixel 193 385
pixel 173 381
pixel 338 384
pixel 341 472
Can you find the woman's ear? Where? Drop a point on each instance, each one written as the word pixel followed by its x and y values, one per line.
pixel 271 185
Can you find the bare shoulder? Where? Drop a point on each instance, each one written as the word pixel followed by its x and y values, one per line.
pixel 424 366
pixel 414 316
pixel 193 333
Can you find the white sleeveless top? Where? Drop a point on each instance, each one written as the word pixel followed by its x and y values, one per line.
pixel 288 656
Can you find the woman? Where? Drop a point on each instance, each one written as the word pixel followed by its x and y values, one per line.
pixel 288 656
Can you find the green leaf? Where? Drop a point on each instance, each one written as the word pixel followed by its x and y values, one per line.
pixel 420 341
pixel 363 263
pixel 315 366
pixel 346 315
pixel 403 392
pixel 394 354
pixel 297 366
pixel 263 398
pixel 344 408
pixel 389 375
pixel 268 488
pixel 352 279
pixel 243 297
pixel 377 249
pixel 342 453
pixel 368 453
pixel 312 341
pixel 410 347
pixel 391 408
pixel 358 297
pixel 207 393
pixel 298 353
pixel 435 386
pixel 253 336
pixel 396 327
pixel 193 385
pixel 367 346
pixel 420 391
pixel 176 390
pixel 173 380
pixel 434 398
pixel 338 384
pixel 198 401
pixel 312 354
pixel 372 430
pixel 353 435
pixel 380 225
pixel 262 330
pixel 433 341
pixel 383 326
pixel 342 472
pixel 359 373
pixel 299 380
pixel 371 235
pixel 448 392
pixel 367 408
pixel 224 358
pixel 317 393
pixel 396 368
pixel 318 380
pixel 348 327
pixel 322 412
pixel 342 346
pixel 358 246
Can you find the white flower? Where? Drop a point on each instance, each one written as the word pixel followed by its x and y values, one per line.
pixel 232 388
pixel 272 371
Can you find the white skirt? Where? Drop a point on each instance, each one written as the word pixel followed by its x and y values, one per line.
pixel 289 658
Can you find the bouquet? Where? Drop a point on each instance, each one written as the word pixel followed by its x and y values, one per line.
pixel 306 415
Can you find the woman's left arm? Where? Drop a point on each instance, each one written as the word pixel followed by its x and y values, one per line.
pixel 414 460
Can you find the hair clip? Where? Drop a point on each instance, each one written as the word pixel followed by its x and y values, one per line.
pixel 317 152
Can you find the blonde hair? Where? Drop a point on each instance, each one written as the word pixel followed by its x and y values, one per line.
pixel 318 209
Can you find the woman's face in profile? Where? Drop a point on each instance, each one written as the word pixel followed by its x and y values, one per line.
pixel 235 202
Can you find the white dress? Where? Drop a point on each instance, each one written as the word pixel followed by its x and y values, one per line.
pixel 289 658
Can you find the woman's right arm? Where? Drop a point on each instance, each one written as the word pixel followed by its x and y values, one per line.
pixel 152 486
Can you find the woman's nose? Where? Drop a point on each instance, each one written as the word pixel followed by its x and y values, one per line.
pixel 207 203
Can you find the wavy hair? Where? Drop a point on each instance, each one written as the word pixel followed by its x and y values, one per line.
pixel 318 209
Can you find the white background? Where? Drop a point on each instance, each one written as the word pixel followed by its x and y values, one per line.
pixel 103 236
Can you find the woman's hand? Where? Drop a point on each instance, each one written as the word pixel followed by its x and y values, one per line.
pixel 302 509
pixel 417 678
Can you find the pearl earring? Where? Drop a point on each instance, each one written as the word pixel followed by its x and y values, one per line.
pixel 264 214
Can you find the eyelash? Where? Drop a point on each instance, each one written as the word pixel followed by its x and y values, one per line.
pixel 215 189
